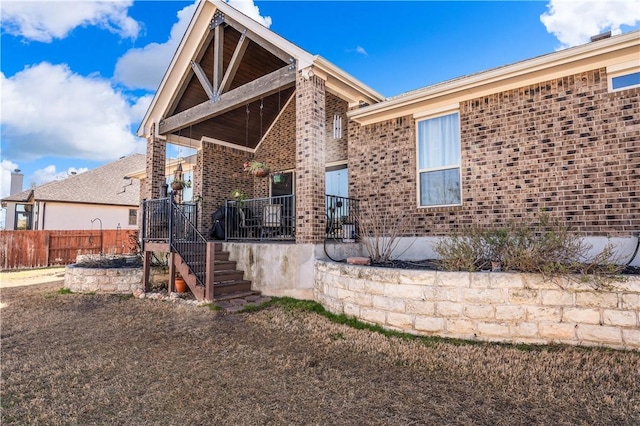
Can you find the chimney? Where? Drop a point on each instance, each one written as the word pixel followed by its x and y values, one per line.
pixel 17 179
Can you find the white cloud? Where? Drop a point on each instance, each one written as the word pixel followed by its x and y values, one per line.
pixel 361 51
pixel 47 110
pixel 143 68
pixel 47 20
pixel 251 10
pixel 49 174
pixel 573 22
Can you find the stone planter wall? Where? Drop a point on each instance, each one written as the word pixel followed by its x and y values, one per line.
pixel 103 280
pixel 505 307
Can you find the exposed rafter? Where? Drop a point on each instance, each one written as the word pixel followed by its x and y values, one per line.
pixel 235 63
pixel 218 51
pixel 219 18
pixel 256 89
pixel 204 81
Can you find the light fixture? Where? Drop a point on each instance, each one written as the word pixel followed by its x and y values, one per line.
pixel 307 73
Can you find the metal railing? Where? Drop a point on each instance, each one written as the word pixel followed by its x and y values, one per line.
pixel 270 219
pixel 164 221
pixel 155 218
pixel 188 242
pixel 342 218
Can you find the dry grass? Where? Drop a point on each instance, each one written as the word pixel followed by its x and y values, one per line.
pixel 96 359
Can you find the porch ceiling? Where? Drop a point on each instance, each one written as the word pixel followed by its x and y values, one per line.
pixel 234 124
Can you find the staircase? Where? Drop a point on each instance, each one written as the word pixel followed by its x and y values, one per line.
pixel 228 281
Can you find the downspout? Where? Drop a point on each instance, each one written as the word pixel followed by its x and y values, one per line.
pixel 44 209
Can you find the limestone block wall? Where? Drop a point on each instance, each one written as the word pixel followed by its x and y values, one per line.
pixel 103 280
pixel 505 307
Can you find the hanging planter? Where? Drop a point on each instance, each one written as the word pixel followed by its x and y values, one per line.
pixel 256 168
pixel 278 178
pixel 177 185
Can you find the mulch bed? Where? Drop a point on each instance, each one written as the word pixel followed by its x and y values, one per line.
pixel 107 359
pixel 434 265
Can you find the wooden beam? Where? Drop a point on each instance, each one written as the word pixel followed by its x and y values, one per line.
pixel 204 81
pixel 241 47
pixel 275 50
pixel 264 86
pixel 218 48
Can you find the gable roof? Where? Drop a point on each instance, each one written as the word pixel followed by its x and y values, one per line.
pixel 102 185
pixel 193 42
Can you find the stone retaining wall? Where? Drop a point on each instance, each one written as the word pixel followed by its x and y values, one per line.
pixel 505 307
pixel 103 280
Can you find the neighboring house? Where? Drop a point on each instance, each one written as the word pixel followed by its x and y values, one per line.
pixel 560 132
pixel 102 198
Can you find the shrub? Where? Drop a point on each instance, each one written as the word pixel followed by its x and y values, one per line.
pixel 546 247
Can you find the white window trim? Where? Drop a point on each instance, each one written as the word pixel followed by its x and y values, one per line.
pixel 619 70
pixel 293 181
pixel 427 115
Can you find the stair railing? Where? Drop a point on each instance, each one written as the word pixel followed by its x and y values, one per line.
pixel 188 242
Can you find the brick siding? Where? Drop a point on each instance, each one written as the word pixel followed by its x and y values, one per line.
pixel 217 172
pixel 310 160
pixel 565 145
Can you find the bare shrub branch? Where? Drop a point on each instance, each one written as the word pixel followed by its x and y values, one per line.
pixel 380 230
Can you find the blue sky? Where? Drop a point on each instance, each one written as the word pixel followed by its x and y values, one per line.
pixel 76 78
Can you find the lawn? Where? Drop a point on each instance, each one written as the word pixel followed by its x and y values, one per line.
pixel 104 359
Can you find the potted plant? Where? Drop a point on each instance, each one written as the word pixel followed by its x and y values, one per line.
pixel 180 284
pixel 239 196
pixel 277 177
pixel 256 168
pixel 177 184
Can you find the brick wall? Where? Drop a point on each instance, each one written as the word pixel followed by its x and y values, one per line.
pixel 310 160
pixel 336 149
pixel 156 154
pixel 484 306
pixel 566 145
pixel 217 172
pixel 278 148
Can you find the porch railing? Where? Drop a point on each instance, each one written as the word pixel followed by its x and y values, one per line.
pixel 342 218
pixel 155 218
pixel 271 219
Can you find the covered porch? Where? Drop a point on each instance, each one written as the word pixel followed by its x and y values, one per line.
pixel 238 93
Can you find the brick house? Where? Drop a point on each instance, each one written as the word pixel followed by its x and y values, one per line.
pixel 559 132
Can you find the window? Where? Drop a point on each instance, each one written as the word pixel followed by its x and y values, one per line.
pixel 624 75
pixel 439 161
pixel 337 181
pixel 625 81
pixel 133 216
pixel 23 217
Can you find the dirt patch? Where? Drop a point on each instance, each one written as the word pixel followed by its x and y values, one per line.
pixel 107 359
pixel 31 277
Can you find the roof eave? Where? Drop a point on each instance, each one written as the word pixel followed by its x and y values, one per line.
pixel 462 84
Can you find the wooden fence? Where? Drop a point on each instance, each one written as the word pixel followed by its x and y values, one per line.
pixel 39 249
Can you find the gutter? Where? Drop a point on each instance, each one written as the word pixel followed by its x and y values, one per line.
pixel 528 66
